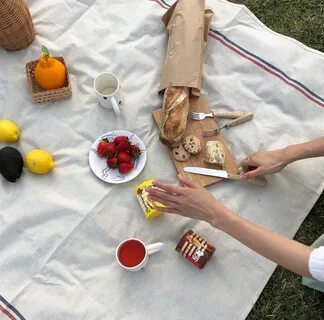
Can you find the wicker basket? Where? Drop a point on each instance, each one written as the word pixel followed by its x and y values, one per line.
pixel 43 96
pixel 16 25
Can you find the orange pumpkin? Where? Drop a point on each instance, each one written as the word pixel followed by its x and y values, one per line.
pixel 49 72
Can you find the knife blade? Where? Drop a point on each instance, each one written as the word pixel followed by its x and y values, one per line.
pixel 261 181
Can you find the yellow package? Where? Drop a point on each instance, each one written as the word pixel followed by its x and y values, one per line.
pixel 147 205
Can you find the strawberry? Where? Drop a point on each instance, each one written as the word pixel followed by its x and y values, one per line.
pixel 123 146
pixel 101 149
pixel 120 139
pixel 134 151
pixel 124 157
pixel 112 163
pixel 110 150
pixel 125 167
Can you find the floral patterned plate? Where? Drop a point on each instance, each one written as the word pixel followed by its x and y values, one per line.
pixel 99 165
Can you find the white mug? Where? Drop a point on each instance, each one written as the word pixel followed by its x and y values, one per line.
pixel 108 91
pixel 145 251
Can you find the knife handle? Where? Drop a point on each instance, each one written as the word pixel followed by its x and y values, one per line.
pixel 228 114
pixel 246 117
pixel 260 181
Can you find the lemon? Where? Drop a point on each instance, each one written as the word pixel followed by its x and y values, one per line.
pixel 9 132
pixel 39 161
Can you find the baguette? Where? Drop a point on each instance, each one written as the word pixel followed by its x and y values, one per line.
pixel 174 115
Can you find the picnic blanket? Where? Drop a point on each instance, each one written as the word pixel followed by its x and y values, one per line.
pixel 59 232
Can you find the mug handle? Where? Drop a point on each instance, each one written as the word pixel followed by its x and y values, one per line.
pixel 115 105
pixel 154 247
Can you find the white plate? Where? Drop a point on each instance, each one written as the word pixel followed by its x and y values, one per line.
pixel 99 165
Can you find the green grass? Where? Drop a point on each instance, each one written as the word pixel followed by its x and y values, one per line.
pixel 299 19
pixel 284 297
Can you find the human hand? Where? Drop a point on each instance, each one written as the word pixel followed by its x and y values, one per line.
pixel 262 163
pixel 190 200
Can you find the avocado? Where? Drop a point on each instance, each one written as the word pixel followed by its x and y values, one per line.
pixel 11 163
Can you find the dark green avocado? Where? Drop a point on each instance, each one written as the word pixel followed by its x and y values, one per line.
pixel 11 163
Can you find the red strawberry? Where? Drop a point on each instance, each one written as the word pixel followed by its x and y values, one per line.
pixel 125 167
pixel 110 150
pixel 134 151
pixel 101 149
pixel 112 163
pixel 124 157
pixel 120 139
pixel 123 146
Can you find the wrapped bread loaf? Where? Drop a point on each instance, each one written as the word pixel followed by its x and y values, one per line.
pixel 174 115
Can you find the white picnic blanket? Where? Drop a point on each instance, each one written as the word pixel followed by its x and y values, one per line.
pixel 58 232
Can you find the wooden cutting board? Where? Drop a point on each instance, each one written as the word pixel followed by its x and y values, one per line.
pixel 196 128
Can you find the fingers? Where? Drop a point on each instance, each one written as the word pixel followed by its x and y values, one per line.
pixel 248 162
pixel 169 188
pixel 254 173
pixel 162 196
pixel 187 182
pixel 168 206
pixel 167 209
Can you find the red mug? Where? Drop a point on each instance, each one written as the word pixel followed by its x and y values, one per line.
pixel 132 254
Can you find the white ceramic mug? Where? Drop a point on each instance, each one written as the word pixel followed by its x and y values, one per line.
pixel 147 250
pixel 108 91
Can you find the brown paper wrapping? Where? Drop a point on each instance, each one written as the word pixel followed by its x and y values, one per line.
pixel 187 23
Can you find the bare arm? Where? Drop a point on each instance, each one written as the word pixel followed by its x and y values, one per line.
pixel 196 202
pixel 286 252
pixel 311 149
pixel 267 162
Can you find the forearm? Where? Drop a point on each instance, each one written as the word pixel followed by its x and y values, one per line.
pixel 281 250
pixel 311 149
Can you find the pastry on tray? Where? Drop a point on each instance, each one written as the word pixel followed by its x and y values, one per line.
pixel 215 153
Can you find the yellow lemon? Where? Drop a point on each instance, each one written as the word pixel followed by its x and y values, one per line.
pixel 9 132
pixel 39 161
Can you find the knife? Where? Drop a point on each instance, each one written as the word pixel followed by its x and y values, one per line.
pixel 261 181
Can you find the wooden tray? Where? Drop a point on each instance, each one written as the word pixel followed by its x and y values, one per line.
pixel 196 128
